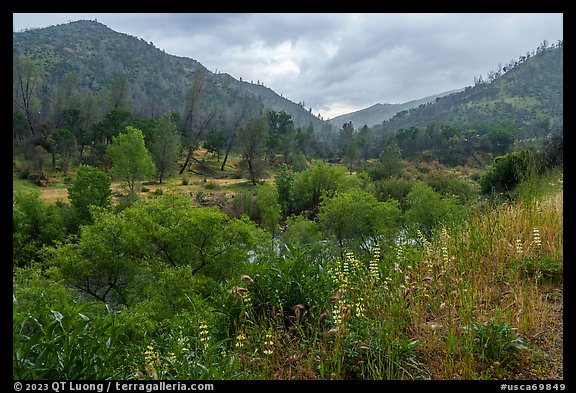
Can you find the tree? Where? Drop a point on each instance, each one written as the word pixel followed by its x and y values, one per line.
pixel 131 159
pixel 240 116
pixel 28 76
pixel 64 143
pixel 389 162
pixel 91 187
pixel 114 123
pixel 214 142
pixel 120 252
pixel 313 184
pixel 165 146
pixel 35 223
pixel 252 139
pixel 356 217
pixel 195 125
pixel 119 93
pixel 427 209
pixel 284 181
pixel 366 142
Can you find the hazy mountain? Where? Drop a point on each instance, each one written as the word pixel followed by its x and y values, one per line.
pixel 378 113
pixel 157 81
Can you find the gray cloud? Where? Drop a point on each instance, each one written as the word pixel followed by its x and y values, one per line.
pixel 342 62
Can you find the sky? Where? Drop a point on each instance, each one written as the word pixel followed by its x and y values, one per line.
pixel 336 63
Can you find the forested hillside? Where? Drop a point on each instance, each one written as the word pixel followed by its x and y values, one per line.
pixel 99 57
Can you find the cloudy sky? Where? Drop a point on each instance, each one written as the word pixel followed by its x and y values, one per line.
pixel 342 62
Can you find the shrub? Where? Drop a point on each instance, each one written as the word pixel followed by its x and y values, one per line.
pixel 495 341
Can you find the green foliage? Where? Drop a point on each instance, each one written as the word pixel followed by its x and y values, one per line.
pixel 285 286
pixel 131 160
pixel 394 188
pixel 427 209
pixel 117 252
pixel 165 146
pixel 260 205
pixel 70 342
pixel 389 163
pixel 310 185
pixel 284 181
pixel 105 262
pixel 355 217
pixel 509 170
pixel 448 184
pixel 35 224
pixel 302 232
pixel 495 342
pixel 91 187
pixel 252 140
pixel 215 142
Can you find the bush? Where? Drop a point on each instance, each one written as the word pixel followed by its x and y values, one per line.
pixel 509 170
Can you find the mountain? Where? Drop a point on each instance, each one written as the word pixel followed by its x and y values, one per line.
pixel 378 113
pixel 527 92
pixel 157 81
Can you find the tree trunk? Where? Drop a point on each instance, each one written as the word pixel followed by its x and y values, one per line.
pixel 228 149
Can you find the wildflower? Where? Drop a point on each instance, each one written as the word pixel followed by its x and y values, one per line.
pixel 445 255
pixel 519 247
pixel 268 343
pixel 373 269
pixel 400 253
pixel 204 336
pixel 359 308
pixel 240 340
pixel 537 239
pixel 336 315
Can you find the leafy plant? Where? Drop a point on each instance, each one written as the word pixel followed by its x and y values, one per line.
pixel 496 341
pixel 65 343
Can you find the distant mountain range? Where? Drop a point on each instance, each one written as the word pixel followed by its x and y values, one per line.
pixel 378 113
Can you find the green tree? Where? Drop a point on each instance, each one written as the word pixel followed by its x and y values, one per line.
pixel 261 206
pixel 131 159
pixel 91 187
pixel 105 262
pixel 355 217
pixel 389 163
pixel 252 140
pixel 427 209
pixel 284 181
pixel 166 146
pixel 64 143
pixel 311 185
pixel 366 142
pixel 215 142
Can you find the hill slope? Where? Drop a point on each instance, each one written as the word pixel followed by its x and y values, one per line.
pixel 530 94
pixel 157 81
